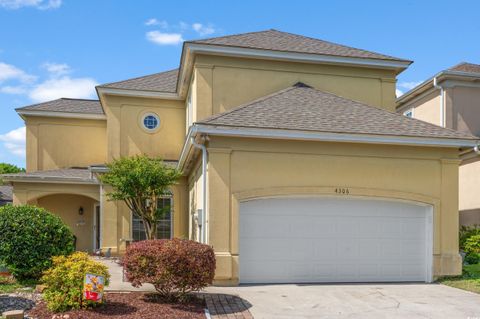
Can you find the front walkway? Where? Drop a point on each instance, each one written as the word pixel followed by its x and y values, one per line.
pixel 117 280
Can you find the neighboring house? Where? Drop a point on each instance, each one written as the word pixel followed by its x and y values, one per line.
pixel 5 195
pixel 296 166
pixel 451 99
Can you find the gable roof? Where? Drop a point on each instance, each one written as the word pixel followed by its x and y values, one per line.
pixel 287 42
pixel 303 108
pixel 466 67
pixel 158 82
pixel 66 105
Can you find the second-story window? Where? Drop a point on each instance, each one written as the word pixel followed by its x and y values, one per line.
pixel 150 122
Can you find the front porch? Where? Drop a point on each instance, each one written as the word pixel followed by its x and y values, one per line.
pixel 71 194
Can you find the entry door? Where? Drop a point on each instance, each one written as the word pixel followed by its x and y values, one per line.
pixel 294 240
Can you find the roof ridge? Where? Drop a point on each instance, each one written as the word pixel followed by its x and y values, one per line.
pixel 230 35
pixel 75 99
pixel 247 104
pixel 138 77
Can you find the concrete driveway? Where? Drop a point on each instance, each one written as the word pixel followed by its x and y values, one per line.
pixel 357 301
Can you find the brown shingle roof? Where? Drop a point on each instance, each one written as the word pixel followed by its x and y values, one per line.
pixel 160 82
pixel 466 67
pixel 282 41
pixel 67 105
pixel 303 108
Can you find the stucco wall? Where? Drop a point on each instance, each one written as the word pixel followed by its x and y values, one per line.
pixel 466 109
pixel 249 168
pixel 126 136
pixel 222 83
pixel 425 108
pixel 67 206
pixel 61 143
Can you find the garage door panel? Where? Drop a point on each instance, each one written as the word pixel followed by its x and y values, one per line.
pixel 331 240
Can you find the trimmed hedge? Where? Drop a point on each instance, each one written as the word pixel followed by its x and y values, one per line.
pixel 174 267
pixel 65 279
pixel 29 237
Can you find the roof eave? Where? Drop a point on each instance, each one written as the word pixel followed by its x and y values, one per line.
pixel 335 137
pixel 137 93
pixel 37 113
pixel 54 180
pixel 296 56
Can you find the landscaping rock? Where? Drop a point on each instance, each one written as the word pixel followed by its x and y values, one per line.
pixel 18 301
pixel 14 314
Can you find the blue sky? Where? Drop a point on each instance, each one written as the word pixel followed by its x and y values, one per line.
pixel 55 48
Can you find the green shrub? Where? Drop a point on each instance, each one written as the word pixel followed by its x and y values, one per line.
pixel 466 232
pixel 65 280
pixel 174 267
pixel 472 244
pixel 29 237
pixel 472 258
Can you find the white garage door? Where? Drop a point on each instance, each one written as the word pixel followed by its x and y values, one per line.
pixel 293 240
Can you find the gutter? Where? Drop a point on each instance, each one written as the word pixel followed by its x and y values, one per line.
pixel 442 101
pixel 203 219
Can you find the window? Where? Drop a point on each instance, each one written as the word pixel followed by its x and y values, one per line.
pixel 151 121
pixel 164 225
pixel 408 113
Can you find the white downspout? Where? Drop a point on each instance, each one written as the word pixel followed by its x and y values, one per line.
pixel 204 191
pixel 442 102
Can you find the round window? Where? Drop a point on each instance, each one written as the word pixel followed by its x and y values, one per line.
pixel 151 121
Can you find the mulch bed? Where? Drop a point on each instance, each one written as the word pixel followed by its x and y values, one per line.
pixel 134 305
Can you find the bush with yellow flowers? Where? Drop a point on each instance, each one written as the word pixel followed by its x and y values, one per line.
pixel 64 281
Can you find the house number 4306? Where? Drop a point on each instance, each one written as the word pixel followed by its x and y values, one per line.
pixel 342 191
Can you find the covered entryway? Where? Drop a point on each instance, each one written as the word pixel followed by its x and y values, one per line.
pixel 330 239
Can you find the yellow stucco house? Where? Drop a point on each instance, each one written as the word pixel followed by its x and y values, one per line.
pixel 450 99
pixel 296 166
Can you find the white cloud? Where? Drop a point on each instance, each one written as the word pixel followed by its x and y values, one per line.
pixel 408 85
pixel 398 93
pixel 65 86
pixel 38 4
pixel 11 72
pixel 14 141
pixel 153 21
pixel 9 89
pixel 161 38
pixel 203 29
pixel 57 69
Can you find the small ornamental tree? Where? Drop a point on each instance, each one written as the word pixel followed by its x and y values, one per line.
pixel 141 182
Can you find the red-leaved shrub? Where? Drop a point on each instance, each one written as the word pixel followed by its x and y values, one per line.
pixel 175 267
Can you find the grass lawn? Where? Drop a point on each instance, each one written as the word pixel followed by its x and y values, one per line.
pixel 469 280
pixel 9 285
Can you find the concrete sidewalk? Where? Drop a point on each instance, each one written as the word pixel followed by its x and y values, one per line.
pixel 117 282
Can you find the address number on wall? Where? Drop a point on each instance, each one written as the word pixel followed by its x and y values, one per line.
pixel 342 191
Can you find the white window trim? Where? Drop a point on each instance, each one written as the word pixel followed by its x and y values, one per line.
pixel 146 129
